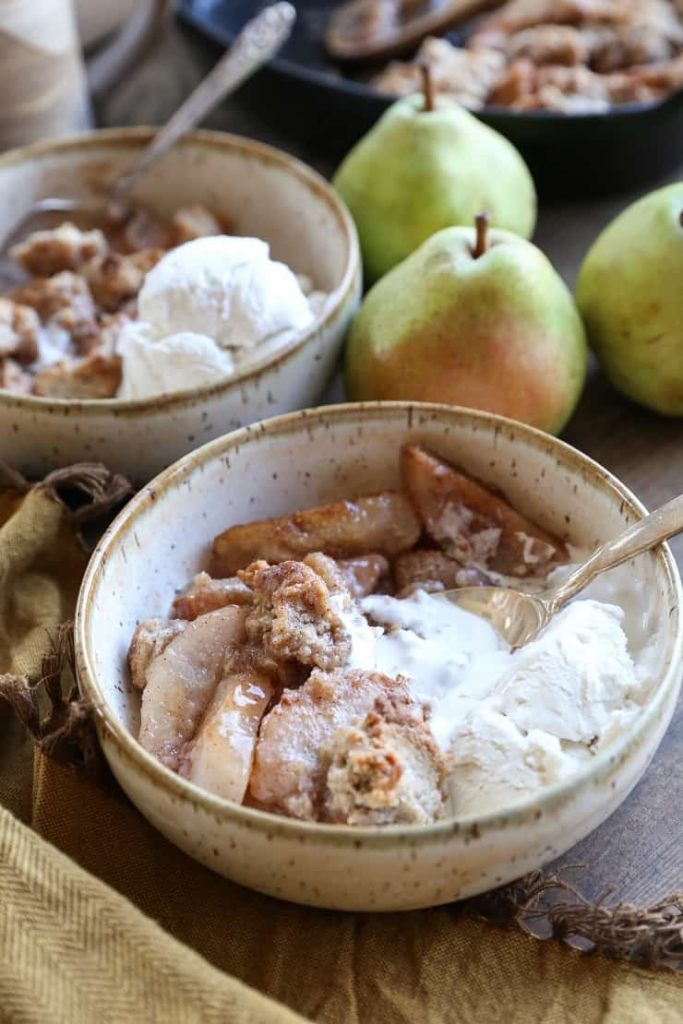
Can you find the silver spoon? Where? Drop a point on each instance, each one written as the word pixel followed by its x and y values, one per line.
pixel 258 41
pixel 519 617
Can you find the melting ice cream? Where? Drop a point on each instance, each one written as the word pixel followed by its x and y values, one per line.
pixel 511 721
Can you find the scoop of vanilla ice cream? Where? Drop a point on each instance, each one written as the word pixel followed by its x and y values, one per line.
pixel 494 763
pixel 174 363
pixel 574 677
pixel 226 288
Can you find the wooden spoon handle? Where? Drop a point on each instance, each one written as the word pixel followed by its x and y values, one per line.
pixel 378 29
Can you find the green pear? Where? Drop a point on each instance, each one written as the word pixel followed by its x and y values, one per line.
pixel 420 170
pixel 482 321
pixel 630 293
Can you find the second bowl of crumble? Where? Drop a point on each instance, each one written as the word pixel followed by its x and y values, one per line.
pixel 134 344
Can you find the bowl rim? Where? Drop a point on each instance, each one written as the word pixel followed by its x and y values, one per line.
pixel 518 813
pixel 134 137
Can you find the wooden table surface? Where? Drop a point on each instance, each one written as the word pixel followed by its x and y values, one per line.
pixel 639 850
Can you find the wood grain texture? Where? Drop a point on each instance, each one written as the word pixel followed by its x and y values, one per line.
pixel 639 850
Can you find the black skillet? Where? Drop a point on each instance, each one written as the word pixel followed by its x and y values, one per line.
pixel 308 97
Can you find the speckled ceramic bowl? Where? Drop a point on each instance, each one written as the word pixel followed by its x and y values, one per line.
pixel 265 193
pixel 161 538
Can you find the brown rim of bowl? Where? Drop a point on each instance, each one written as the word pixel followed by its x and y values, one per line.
pixel 474 826
pixel 128 138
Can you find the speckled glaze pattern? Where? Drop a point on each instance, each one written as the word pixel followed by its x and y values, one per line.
pixel 265 193
pixel 161 538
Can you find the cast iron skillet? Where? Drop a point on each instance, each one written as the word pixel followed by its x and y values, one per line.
pixel 306 96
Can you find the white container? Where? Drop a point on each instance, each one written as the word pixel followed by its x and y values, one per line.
pixel 42 77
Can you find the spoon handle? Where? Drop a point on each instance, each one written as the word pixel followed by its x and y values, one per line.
pixel 665 522
pixel 258 41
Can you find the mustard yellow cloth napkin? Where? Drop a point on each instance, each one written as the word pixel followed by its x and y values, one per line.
pixel 41 564
pixel 73 951
pixel 101 919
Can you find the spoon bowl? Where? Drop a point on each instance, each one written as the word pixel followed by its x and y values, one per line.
pixel 517 617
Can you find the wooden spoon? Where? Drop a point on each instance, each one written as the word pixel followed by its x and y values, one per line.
pixel 377 29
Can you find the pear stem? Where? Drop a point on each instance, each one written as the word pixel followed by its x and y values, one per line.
pixel 482 222
pixel 427 87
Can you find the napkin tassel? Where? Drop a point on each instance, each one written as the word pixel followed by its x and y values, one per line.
pixel 60 722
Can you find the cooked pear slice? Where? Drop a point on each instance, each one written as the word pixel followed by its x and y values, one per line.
pixel 220 756
pixel 433 570
pixel 205 594
pixel 182 680
pixel 150 639
pixel 385 524
pixel 363 574
pixel 473 524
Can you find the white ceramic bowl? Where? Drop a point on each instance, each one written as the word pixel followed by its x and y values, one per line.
pixel 161 539
pixel 266 193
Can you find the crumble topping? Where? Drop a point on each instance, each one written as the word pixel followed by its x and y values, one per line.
pixel 292 618
pixel 45 253
pixel 387 770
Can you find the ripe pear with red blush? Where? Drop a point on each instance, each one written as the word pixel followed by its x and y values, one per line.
pixel 474 317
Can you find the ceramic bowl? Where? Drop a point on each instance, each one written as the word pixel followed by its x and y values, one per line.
pixel 265 193
pixel 161 538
